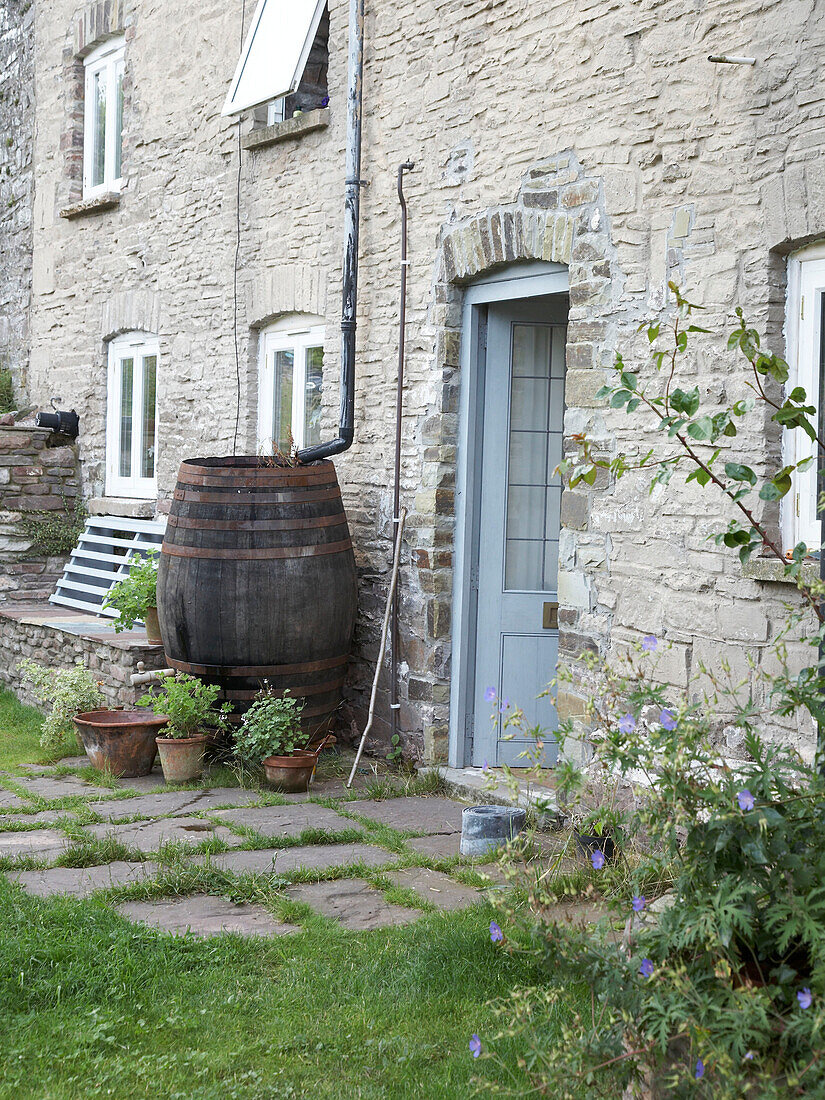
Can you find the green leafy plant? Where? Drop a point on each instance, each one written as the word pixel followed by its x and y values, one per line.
pixel 70 691
pixel 395 753
pixel 271 727
pixel 136 593
pixel 188 703
pixel 54 534
pixel 7 401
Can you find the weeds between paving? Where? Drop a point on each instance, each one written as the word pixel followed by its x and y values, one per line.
pixel 96 1006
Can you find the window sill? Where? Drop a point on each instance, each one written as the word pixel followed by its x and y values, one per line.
pixel 91 206
pixel 288 129
pixel 769 569
pixel 129 508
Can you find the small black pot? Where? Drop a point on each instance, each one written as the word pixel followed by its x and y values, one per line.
pixel 587 844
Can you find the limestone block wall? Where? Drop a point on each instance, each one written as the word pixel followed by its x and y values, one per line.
pixel 16 183
pixel 39 480
pixel 601 119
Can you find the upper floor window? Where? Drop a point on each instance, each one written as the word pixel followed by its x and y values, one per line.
pixel 805 326
pixel 131 426
pixel 291 361
pixel 103 119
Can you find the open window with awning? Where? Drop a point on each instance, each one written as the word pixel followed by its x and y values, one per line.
pixel 275 53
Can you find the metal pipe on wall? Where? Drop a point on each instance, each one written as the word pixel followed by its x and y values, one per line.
pixel 407 166
pixel 352 207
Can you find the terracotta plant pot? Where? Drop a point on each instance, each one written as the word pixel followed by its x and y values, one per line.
pixel 292 774
pixel 182 757
pixel 150 621
pixel 120 741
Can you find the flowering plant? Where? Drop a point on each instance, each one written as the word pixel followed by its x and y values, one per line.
pixel 136 593
pixel 69 690
pixel 188 703
pixel 271 727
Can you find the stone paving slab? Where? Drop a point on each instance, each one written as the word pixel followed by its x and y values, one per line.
pixel 413 814
pixel 40 843
pixel 204 916
pixel 11 801
pixel 42 817
pixel 443 846
pixel 63 786
pixel 143 782
pixel 148 805
pixel 354 903
pixel 79 882
pixel 439 889
pixel 222 796
pixel 287 820
pixel 312 856
pixel 147 836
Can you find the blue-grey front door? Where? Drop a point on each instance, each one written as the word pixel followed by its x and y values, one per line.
pixel 519 519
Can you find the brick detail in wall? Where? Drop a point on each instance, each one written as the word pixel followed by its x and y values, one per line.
pixel 34 477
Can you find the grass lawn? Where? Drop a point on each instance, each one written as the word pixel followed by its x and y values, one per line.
pixel 92 1006
pixel 19 732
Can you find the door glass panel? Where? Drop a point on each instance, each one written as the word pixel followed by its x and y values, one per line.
pixel 147 443
pixel 282 410
pixel 98 127
pixel 126 384
pixel 314 391
pixel 534 451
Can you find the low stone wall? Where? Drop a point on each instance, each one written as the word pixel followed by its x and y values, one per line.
pixel 113 657
pixel 39 477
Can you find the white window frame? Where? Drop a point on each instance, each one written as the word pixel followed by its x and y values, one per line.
pixel 131 345
pixel 296 333
pixel 107 59
pixel 803 338
pixel 276 111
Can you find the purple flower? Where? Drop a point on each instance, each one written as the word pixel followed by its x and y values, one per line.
pixel 505 705
pixel 475 1046
pixel 804 997
pixel 627 723
pixel 646 969
pixel 489 695
pixel 667 719
pixel 496 934
pixel 597 859
pixel 749 1056
pixel 638 903
pixel 746 800
pixel 649 643
pixel 485 766
pixel 325 101
pixel 700 1070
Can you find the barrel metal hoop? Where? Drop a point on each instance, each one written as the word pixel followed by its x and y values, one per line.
pixel 245 497
pixel 190 524
pixel 263 553
pixel 256 479
pixel 226 671
pixel 298 690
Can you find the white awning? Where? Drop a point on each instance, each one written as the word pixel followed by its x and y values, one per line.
pixel 274 53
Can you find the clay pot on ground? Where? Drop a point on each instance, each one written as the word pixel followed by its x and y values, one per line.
pixel 150 621
pixel 120 741
pixel 589 843
pixel 292 774
pixel 182 757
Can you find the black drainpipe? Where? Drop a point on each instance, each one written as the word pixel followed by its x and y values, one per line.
pixel 352 201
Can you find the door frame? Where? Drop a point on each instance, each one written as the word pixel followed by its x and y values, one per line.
pixel 513 283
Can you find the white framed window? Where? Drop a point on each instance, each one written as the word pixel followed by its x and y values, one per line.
pixel 131 423
pixel 103 119
pixel 275 111
pixel 806 354
pixel 291 379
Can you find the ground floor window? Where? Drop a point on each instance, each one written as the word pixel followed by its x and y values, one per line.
pixel 131 428
pixel 291 363
pixel 806 353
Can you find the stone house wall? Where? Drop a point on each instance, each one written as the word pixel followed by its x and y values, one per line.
pixel 16 183
pixel 39 482
pixel 596 133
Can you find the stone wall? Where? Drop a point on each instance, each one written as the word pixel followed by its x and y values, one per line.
pixel 39 481
pixel 16 183
pixel 605 116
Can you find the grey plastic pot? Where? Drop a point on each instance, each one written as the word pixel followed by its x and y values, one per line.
pixel 485 828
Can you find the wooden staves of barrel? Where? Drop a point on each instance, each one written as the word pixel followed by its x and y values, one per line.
pixel 257 582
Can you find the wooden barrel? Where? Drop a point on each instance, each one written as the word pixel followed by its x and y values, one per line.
pixel 257 582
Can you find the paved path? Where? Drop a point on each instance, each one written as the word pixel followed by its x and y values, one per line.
pixel 225 859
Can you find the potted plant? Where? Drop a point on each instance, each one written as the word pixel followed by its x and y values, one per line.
pixel 269 737
pixel 118 741
pixel 188 705
pixel 135 597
